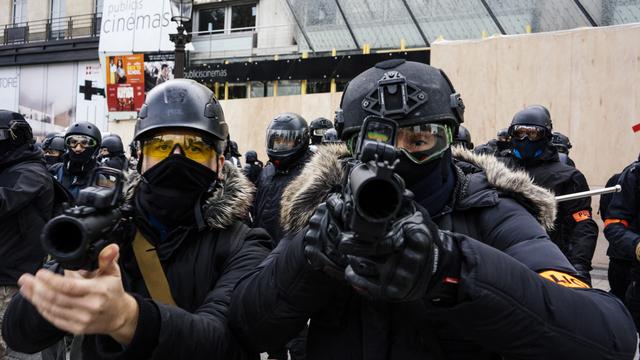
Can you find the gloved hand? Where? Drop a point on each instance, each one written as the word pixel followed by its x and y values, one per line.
pixel 400 266
pixel 323 236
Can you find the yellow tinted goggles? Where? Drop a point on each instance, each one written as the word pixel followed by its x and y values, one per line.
pixel 192 146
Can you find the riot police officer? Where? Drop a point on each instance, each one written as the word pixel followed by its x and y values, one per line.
pixel 53 148
pixel 317 128
pixel 112 152
pixel 575 231
pixel 563 145
pixel 233 154
pixel 463 138
pixel 462 271
pixel 26 203
pixel 331 137
pixel 499 147
pixel 288 151
pixel 82 141
pixel 253 166
pixel 622 230
pixel 163 292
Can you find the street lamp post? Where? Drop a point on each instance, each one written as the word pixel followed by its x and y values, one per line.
pixel 180 12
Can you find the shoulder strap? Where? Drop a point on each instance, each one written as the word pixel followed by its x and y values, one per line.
pixel 152 273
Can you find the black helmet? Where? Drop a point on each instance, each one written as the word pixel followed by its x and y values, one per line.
pixel 287 139
pixel 463 138
pixel 503 133
pixel 233 149
pixel 251 156
pixel 54 141
pixel 317 128
pixel 87 129
pixel 534 115
pixel 408 92
pixel 331 137
pixel 185 104
pixel 561 142
pixel 15 129
pixel 113 143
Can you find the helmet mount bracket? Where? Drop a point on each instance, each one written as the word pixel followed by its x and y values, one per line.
pixel 395 95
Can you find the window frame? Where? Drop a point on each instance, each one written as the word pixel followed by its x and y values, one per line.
pixel 227 17
pixel 22 4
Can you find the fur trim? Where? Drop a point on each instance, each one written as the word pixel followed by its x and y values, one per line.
pixel 507 180
pixel 323 173
pixel 229 203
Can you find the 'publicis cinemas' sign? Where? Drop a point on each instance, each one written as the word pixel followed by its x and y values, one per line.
pixel 123 17
pixel 136 26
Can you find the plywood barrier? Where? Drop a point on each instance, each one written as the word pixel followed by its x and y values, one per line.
pixel 248 118
pixel 588 78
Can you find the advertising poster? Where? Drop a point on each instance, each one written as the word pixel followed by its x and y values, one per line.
pixel 47 96
pixel 9 88
pixel 158 68
pixel 91 96
pixel 125 82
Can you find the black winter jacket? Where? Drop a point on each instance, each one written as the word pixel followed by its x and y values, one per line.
pixel 270 186
pixel 505 309
pixel 252 171
pixel 73 181
pixel 575 231
pixel 26 204
pixel 201 271
pixel 622 223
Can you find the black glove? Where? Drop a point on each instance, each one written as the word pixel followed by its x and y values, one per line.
pixel 400 266
pixel 323 236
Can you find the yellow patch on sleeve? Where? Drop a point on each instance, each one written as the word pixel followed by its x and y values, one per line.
pixel 563 279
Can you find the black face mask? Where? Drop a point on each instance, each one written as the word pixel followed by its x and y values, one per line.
pixel 432 183
pixel 5 147
pixel 172 189
pixel 503 145
pixel 528 150
pixel 413 173
pixel 77 163
pixel 50 160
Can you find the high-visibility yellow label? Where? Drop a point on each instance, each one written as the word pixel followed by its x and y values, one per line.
pixel 563 279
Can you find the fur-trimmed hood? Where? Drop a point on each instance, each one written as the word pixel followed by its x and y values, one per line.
pixel 324 173
pixel 229 203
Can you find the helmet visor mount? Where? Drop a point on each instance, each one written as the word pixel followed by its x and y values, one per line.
pixel 282 141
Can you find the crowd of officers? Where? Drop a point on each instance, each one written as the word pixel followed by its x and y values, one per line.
pixel 218 261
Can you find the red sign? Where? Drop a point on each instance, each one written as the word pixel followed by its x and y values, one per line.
pixel 125 82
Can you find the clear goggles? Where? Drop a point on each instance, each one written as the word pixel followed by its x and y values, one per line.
pixel 284 140
pixel 533 132
pixel 84 141
pixel 319 132
pixel 194 147
pixel 420 142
